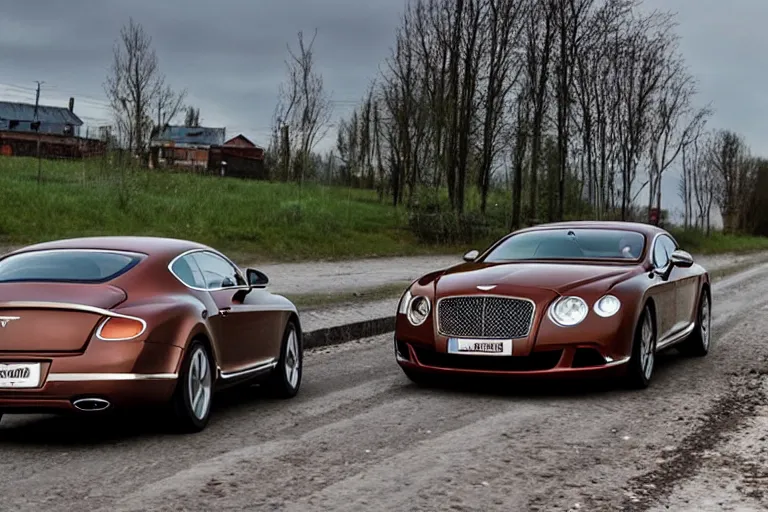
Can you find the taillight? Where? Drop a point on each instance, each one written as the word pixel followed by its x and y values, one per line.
pixel 121 329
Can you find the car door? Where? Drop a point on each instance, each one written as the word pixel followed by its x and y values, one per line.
pixel 664 291
pixel 686 290
pixel 237 326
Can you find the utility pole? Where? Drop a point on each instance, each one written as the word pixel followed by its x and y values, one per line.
pixel 37 123
pixel 286 153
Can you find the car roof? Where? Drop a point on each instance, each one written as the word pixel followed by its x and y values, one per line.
pixel 648 230
pixel 152 246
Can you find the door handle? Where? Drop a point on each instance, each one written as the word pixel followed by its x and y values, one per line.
pixel 224 311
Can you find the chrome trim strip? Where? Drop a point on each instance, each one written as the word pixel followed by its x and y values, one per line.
pixel 76 307
pixel 614 363
pixel 261 366
pixel 63 305
pixel 216 253
pixel 530 324
pixel 93 377
pixel 676 338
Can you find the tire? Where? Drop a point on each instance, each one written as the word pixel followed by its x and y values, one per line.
pixel 698 343
pixel 643 360
pixel 195 380
pixel 285 380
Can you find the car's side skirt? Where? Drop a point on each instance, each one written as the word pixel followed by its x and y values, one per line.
pixel 676 338
pixel 259 367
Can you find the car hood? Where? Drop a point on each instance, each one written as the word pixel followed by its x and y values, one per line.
pixel 507 277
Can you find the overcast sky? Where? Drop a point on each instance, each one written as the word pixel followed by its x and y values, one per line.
pixel 229 55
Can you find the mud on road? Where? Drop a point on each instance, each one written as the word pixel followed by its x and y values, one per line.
pixel 360 436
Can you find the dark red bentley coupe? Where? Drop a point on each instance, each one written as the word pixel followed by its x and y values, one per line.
pixel 575 298
pixel 94 324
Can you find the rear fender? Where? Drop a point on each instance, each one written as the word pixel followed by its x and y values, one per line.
pixel 173 321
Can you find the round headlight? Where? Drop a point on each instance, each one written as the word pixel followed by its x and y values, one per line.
pixel 568 311
pixel 607 306
pixel 418 310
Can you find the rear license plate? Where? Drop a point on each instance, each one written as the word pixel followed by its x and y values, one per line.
pixel 19 375
pixel 480 347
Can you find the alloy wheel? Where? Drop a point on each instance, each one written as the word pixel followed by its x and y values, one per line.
pixel 199 384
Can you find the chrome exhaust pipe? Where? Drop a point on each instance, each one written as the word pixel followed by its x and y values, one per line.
pixel 91 404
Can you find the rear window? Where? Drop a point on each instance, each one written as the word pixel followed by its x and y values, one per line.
pixel 570 244
pixel 66 266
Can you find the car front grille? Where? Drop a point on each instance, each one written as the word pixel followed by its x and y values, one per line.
pixel 484 317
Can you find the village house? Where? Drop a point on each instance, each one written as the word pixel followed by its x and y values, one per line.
pixel 205 150
pixel 57 129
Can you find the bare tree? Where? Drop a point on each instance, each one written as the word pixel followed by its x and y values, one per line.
pixel 135 87
pixel 732 169
pixel 304 105
pixel 674 125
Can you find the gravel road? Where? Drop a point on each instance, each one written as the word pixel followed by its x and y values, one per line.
pixel 361 437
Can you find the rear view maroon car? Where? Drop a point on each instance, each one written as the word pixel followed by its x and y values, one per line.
pixel 96 324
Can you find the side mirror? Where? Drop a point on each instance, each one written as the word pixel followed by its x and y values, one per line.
pixel 681 259
pixel 256 279
pixel 471 256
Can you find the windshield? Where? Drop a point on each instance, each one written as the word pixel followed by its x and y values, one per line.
pixel 66 266
pixel 570 244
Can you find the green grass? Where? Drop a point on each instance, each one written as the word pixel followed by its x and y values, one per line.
pixel 718 243
pixel 248 219
pixel 253 219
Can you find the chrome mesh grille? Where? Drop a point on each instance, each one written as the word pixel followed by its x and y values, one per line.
pixel 484 317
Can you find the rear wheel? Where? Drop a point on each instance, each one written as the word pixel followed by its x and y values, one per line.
pixel 286 377
pixel 643 360
pixel 193 397
pixel 698 342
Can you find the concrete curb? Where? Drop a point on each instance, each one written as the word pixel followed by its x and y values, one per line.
pixel 348 332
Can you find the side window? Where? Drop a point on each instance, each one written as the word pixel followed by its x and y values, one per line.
pixel 217 272
pixel 669 245
pixel 186 269
pixel 662 250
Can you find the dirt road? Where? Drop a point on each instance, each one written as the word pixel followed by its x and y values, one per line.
pixel 361 437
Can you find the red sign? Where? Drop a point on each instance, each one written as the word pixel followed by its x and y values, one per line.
pixel 654 216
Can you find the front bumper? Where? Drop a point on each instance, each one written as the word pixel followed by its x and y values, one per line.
pixel 125 374
pixel 572 360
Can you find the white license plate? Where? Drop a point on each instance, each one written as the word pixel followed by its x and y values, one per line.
pixel 19 375
pixel 467 346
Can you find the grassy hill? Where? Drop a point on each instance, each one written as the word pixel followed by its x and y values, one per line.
pixel 268 220
pixel 271 221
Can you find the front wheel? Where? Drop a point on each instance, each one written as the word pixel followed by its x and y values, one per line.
pixel 193 397
pixel 286 377
pixel 697 344
pixel 643 360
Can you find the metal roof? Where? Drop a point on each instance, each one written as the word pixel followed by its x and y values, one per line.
pixel 187 135
pixel 25 112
